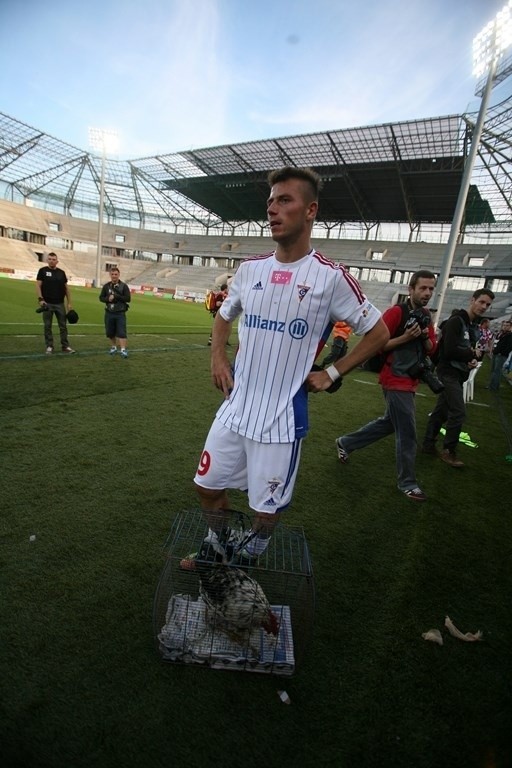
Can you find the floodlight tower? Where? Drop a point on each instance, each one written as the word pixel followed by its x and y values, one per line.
pixel 103 141
pixel 489 48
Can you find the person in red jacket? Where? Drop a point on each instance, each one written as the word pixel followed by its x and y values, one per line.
pixel 219 298
pixel 407 347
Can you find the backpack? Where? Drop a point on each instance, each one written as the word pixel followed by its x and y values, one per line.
pixel 210 301
pixel 375 363
pixel 436 357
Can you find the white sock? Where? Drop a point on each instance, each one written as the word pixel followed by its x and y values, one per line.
pixel 212 536
pixel 257 545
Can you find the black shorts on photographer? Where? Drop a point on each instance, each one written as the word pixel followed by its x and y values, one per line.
pixel 116 296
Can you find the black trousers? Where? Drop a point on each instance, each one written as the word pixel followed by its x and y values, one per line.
pixel 450 409
pixel 60 313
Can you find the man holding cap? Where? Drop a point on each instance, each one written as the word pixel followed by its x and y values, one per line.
pixel 52 289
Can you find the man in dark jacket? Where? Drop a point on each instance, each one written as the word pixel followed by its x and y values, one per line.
pixel 116 296
pixel 500 352
pixel 458 354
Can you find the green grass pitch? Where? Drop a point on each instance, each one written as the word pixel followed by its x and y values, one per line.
pixel 97 458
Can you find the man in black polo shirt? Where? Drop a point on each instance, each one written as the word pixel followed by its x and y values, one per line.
pixel 52 289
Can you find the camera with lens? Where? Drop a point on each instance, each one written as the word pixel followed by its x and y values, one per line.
pixel 42 308
pixel 424 371
pixel 420 316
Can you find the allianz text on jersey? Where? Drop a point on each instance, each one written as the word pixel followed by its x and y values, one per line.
pixel 297 328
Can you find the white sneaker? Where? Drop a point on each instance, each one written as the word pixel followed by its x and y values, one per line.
pixel 342 453
pixel 49 350
pixel 68 350
pixel 113 350
pixel 124 353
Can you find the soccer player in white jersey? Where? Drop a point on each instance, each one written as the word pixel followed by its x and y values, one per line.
pixel 288 301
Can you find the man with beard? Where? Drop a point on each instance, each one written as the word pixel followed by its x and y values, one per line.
pixel 407 347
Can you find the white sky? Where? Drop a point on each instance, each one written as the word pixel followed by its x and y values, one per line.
pixel 170 76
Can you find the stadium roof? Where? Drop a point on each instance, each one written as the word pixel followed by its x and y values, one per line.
pixel 402 172
pixel 397 172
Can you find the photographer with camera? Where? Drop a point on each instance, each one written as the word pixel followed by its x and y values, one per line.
pixel 458 354
pixel 412 339
pixel 52 289
pixel 116 296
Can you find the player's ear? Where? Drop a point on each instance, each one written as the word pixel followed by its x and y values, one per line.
pixel 312 210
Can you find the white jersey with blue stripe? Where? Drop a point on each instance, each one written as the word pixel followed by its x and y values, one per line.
pixel 285 310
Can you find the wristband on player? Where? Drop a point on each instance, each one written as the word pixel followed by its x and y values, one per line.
pixel 333 373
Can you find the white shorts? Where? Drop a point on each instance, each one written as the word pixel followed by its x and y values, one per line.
pixel 267 471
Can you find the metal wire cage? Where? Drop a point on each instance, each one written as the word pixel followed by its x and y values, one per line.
pixel 186 632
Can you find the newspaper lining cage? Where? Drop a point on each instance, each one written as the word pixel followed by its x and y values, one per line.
pixel 187 632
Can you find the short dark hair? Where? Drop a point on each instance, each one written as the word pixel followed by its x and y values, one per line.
pixel 52 254
pixel 224 286
pixel 308 175
pixel 426 273
pixel 483 292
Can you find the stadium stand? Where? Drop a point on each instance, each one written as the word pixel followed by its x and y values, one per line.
pixel 196 262
pixel 15 254
pixel 184 219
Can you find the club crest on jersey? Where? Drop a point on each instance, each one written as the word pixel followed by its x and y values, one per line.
pixel 302 289
pixel 281 277
pixel 272 485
